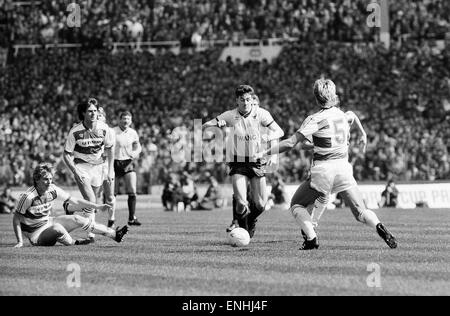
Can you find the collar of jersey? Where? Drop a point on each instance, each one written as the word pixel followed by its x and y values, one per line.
pixel 247 114
pixel 89 129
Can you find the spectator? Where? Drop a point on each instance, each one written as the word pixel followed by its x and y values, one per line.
pixel 389 197
pixel 188 192
pixel 7 201
pixel 213 197
pixel 169 196
pixel 278 192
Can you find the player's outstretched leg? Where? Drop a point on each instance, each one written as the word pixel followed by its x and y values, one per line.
pixel 258 202
pixel 53 234
pixel 320 205
pixel 353 199
pixel 72 222
pixel 240 205
pixel 304 197
pixel 234 222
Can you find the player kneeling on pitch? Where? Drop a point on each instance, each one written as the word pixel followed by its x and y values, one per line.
pixel 32 215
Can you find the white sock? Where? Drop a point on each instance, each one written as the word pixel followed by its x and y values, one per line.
pixel 66 240
pixel 303 218
pixel 370 219
pixel 103 230
pixel 319 208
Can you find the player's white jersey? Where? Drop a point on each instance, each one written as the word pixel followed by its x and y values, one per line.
pixel 124 143
pixel 245 140
pixel 87 145
pixel 329 131
pixel 35 209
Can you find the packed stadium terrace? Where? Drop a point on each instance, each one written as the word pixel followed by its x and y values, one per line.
pixel 402 96
pixel 45 21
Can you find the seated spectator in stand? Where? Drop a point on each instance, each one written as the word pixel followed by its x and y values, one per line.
pixel 278 192
pixel 389 197
pixel 213 197
pixel 7 201
pixel 188 192
pixel 169 195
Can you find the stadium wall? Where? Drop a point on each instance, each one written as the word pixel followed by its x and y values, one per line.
pixel 435 195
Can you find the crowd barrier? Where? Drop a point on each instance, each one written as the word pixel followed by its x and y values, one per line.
pixel 435 195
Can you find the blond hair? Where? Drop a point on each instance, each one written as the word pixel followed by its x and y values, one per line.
pixel 325 93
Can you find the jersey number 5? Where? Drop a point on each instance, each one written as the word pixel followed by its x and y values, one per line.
pixel 339 131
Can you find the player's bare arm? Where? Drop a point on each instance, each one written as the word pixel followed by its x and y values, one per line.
pixel 17 230
pixel 285 145
pixel 137 149
pixel 81 203
pixel 110 159
pixel 215 123
pixel 307 145
pixel 68 159
pixel 275 133
pixel 353 118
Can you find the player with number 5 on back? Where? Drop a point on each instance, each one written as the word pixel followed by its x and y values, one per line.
pixel 331 171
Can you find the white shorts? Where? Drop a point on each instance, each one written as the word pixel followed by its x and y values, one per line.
pixel 332 176
pixel 34 237
pixel 92 173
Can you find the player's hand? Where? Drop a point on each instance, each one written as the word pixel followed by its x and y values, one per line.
pixel 105 208
pixel 273 160
pixel 111 176
pixel 363 142
pixel 221 123
pixel 79 177
pixel 272 164
pixel 259 155
pixel 19 245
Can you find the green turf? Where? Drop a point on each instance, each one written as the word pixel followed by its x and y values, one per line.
pixel 187 254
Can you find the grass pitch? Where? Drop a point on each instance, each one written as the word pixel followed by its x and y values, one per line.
pixel 187 254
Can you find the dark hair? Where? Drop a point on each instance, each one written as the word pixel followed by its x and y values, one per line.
pixel 243 89
pixel 125 113
pixel 41 170
pixel 83 106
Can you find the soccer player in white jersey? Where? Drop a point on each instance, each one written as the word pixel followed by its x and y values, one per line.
pixel 321 203
pixel 331 172
pixel 32 215
pixel 248 122
pixel 83 152
pixel 127 150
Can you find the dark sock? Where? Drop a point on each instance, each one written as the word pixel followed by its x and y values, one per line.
pixel 131 206
pixel 254 211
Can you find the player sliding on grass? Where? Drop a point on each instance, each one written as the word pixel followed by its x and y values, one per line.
pixel 331 172
pixel 247 121
pixel 32 215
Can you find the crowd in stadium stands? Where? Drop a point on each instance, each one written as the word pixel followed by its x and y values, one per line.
pixel 182 20
pixel 401 95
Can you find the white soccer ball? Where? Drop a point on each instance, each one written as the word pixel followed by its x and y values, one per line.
pixel 239 237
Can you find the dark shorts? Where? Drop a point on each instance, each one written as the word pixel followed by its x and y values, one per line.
pixel 122 167
pixel 249 169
